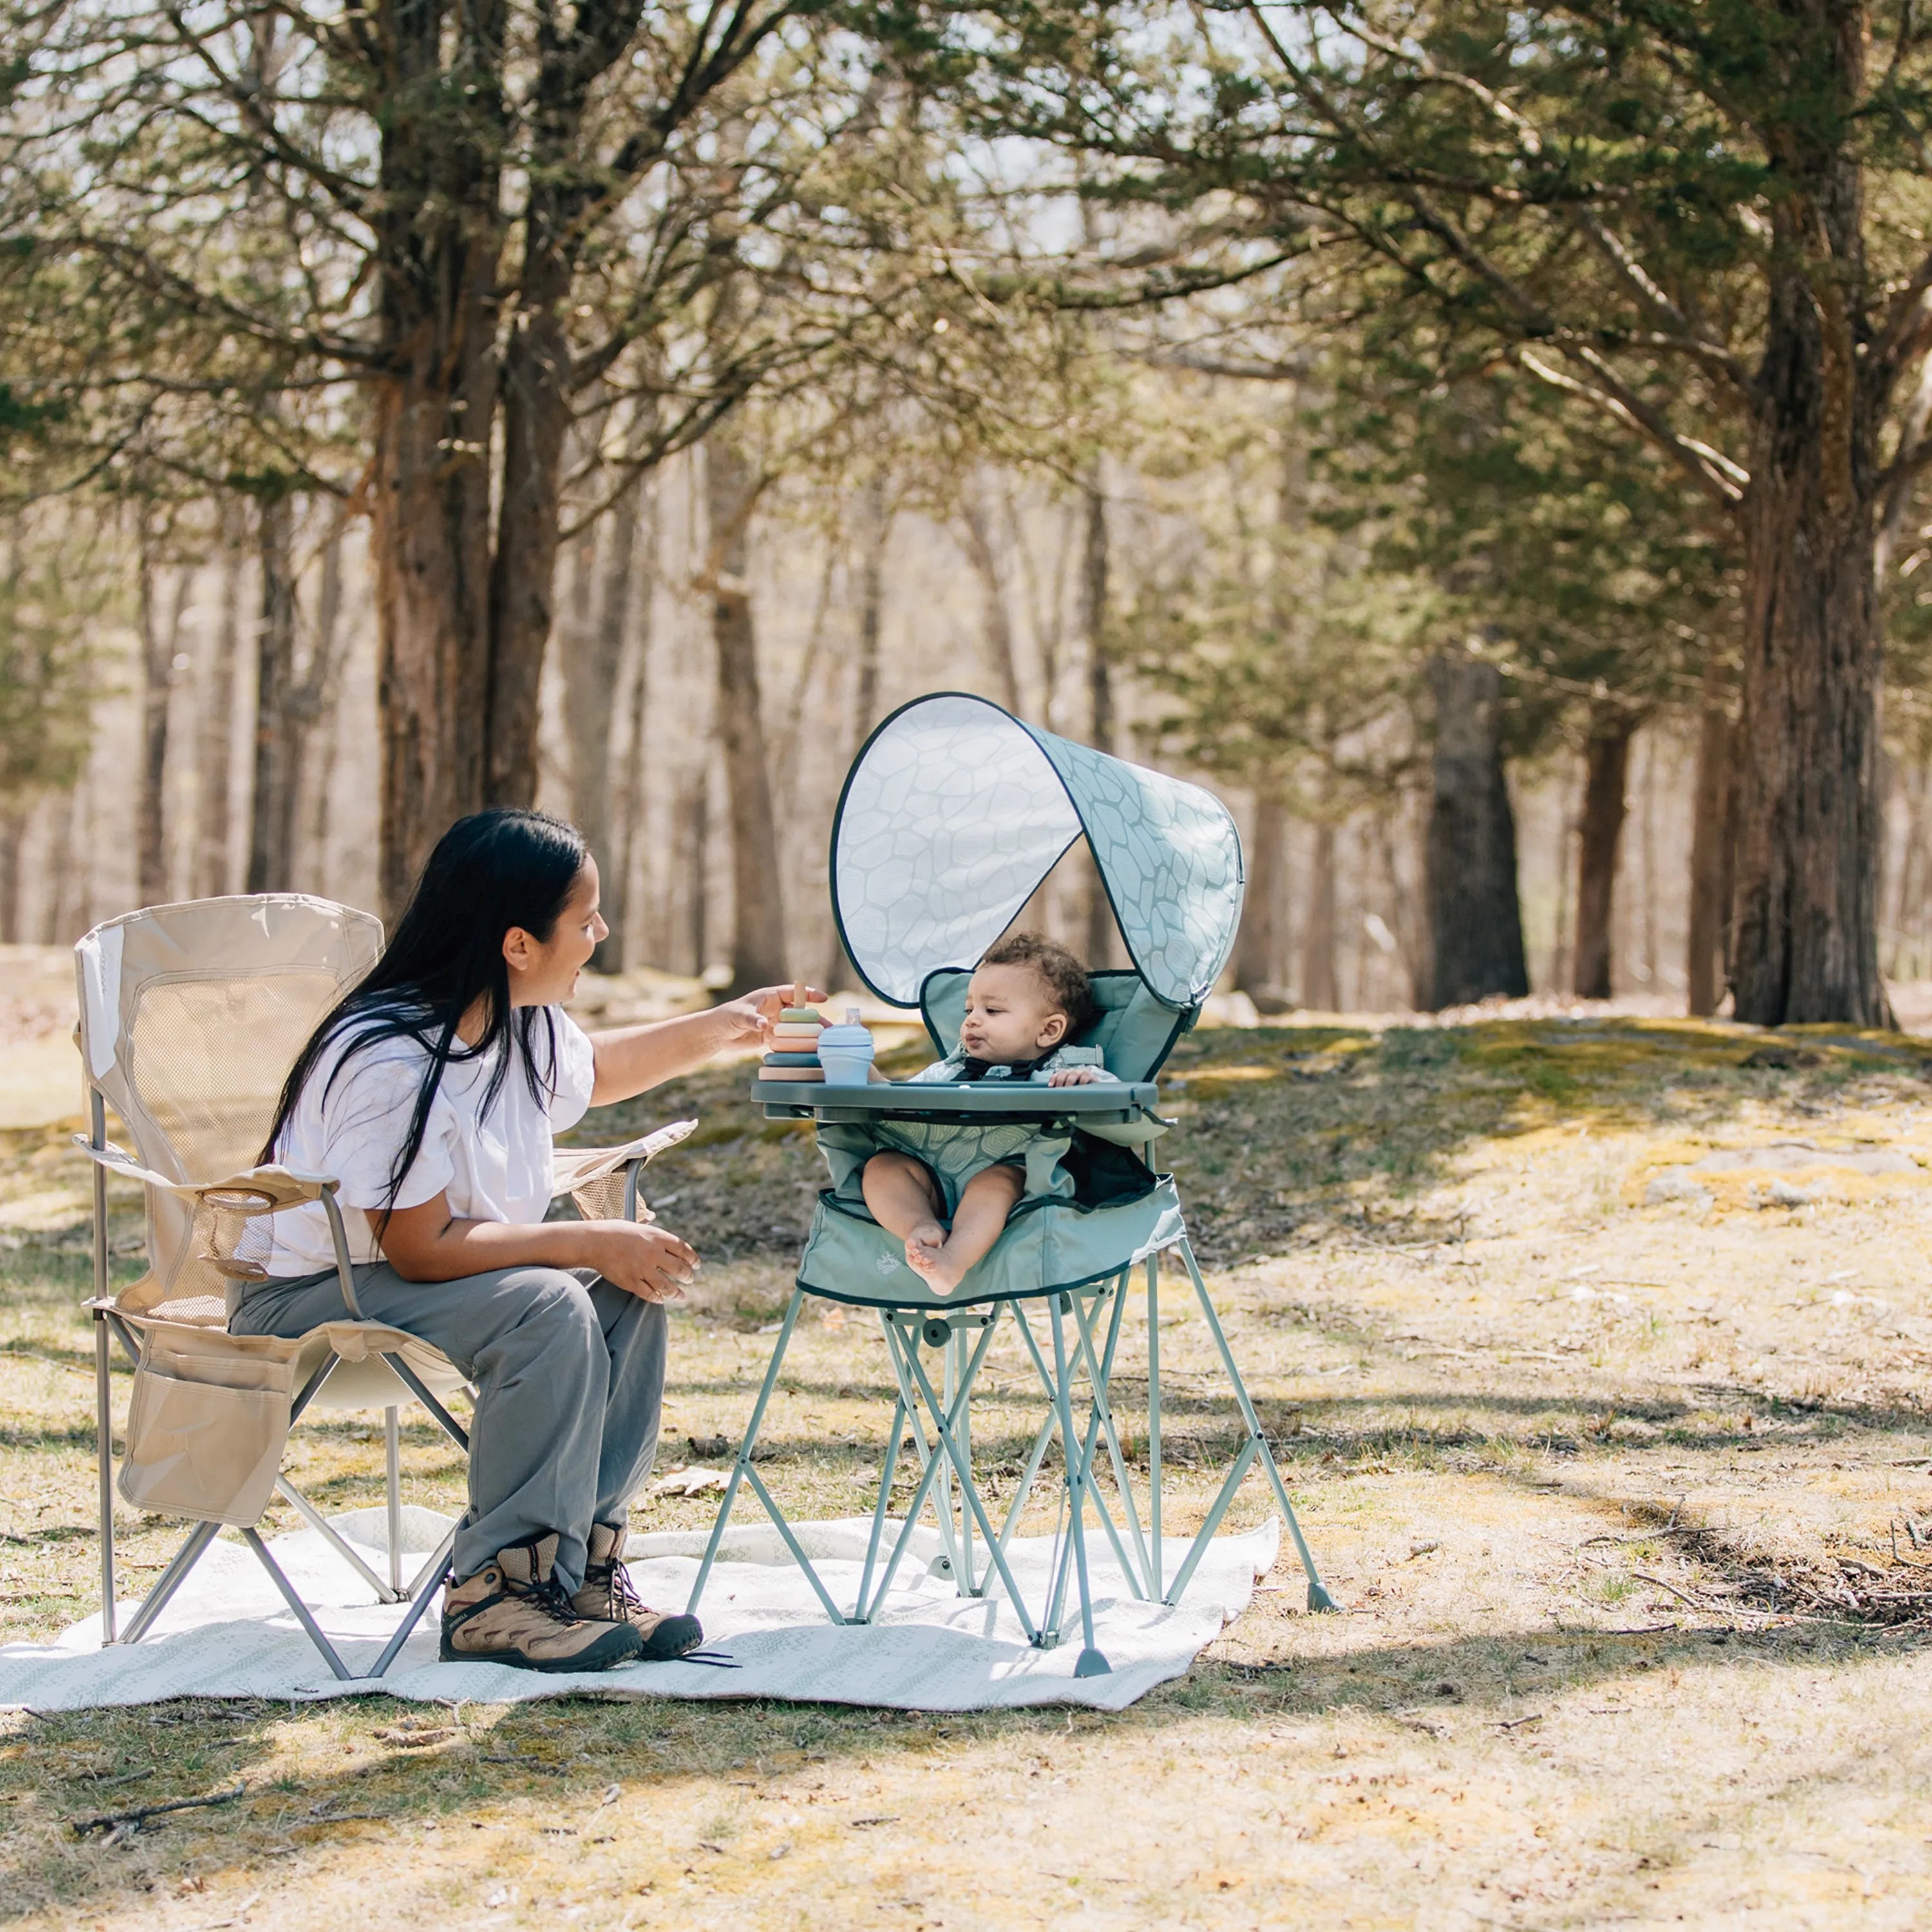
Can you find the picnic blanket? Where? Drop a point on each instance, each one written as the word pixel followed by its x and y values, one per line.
pixel 227 1634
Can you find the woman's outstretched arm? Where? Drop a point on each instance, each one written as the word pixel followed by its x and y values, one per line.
pixel 631 1059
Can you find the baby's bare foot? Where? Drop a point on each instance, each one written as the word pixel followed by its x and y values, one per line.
pixel 945 1272
pixel 923 1246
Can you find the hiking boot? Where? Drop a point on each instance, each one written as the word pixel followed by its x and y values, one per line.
pixel 607 1594
pixel 513 1611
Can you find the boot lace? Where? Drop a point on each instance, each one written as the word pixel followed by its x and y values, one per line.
pixel 624 1601
pixel 550 1597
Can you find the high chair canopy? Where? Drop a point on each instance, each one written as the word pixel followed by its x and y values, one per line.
pixel 956 811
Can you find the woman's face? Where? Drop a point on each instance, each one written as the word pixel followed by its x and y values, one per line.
pixel 543 972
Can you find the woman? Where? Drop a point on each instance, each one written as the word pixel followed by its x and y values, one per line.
pixel 431 1092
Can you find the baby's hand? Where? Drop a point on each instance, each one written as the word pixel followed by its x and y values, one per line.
pixel 1073 1076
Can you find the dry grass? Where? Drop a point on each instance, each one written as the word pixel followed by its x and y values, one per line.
pixel 1617 1450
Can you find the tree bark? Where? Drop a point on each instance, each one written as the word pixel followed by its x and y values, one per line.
pixel 1605 782
pixel 159 635
pixel 590 698
pixel 214 727
pixel 757 899
pixel 877 520
pixel 694 840
pixel 57 926
pixel 1809 824
pixel 1707 946
pixel 440 242
pixel 1319 989
pixel 14 820
pixel 624 618
pixel 320 711
pixel 271 818
pixel 1260 947
pixel 1475 923
pixel 536 421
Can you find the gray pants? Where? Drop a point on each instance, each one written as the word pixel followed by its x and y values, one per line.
pixel 569 1376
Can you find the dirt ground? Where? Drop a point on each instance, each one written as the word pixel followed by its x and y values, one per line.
pixel 1595 1350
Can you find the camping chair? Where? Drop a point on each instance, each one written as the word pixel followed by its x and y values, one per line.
pixel 190 1017
pixel 953 813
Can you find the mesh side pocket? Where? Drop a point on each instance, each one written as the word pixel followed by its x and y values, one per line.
pixel 195 1449
pixel 603 1199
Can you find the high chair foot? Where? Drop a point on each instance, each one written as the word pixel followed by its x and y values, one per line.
pixel 1092 1664
pixel 1319 1599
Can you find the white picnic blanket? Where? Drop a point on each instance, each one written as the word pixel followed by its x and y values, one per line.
pixel 227 1634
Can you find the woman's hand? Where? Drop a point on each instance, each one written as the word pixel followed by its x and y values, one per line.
pixel 753 1017
pixel 650 1262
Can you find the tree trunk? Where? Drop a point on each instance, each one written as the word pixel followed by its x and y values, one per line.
pixel 589 697
pixel 1710 846
pixel 57 926
pixel 13 841
pixel 624 615
pixel 271 818
pixel 1648 829
pixel 1319 990
pixel 319 714
pixel 1260 946
pixel 158 636
pixel 1606 781
pixel 1102 930
pixel 1809 824
pixel 871 613
pixel 215 728
pixel 697 842
pixel 536 421
pixel 998 624
pixel 1475 924
pixel 757 900
pixel 440 242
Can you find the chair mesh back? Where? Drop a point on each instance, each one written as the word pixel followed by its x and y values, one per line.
pixel 216 999
pixel 207 1058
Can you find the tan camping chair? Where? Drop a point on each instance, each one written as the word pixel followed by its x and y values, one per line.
pixel 191 1016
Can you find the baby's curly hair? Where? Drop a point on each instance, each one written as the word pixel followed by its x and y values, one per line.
pixel 1057 970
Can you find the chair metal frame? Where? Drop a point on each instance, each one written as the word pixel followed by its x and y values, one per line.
pixel 111 1325
pixel 1080 1373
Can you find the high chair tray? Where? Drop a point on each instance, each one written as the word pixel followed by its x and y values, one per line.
pixel 979 1100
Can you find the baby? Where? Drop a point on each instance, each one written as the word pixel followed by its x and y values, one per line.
pixel 1028 996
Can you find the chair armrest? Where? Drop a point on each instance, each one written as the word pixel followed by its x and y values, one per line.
pixel 256 1190
pixel 575 1166
pixel 260 1190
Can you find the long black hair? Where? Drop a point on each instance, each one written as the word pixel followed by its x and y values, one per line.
pixel 489 872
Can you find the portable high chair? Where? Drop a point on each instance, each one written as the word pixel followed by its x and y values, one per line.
pixel 190 1017
pixel 953 815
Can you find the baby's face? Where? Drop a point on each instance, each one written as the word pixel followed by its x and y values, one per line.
pixel 1010 1015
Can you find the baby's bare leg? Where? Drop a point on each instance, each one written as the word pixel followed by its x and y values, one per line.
pixel 904 1201
pixel 984 1202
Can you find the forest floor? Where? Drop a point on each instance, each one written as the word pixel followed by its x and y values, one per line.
pixel 1595 1351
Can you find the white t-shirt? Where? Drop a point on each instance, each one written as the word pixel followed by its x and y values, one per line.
pixel 494 1166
